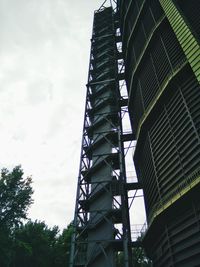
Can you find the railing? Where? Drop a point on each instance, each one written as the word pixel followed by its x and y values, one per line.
pixel 131 177
pixel 138 231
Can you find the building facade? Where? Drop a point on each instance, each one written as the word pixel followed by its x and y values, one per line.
pixel 161 47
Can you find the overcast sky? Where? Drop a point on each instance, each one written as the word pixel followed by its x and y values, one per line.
pixel 44 55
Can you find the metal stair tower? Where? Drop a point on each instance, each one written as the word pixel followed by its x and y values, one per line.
pixel 101 222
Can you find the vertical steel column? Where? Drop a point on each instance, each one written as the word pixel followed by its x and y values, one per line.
pixel 101 222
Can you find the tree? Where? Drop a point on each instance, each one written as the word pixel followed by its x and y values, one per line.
pixel 35 245
pixel 31 244
pixel 139 258
pixel 15 199
pixel 62 247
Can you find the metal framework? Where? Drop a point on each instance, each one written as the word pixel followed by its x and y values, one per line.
pixel 101 222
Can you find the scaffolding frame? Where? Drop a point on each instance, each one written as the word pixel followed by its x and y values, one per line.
pixel 101 222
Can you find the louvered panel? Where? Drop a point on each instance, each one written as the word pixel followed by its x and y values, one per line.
pixel 148 176
pixel 190 10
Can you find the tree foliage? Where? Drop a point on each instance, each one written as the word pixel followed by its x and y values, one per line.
pixel 31 244
pixel 62 247
pixel 37 245
pixel 139 258
pixel 34 245
pixel 15 197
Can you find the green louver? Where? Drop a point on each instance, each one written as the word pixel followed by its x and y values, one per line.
pixel 184 35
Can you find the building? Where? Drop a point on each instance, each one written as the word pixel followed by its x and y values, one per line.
pixel 161 47
pixel 161 53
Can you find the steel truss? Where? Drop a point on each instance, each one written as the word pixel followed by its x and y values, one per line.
pixel 101 222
